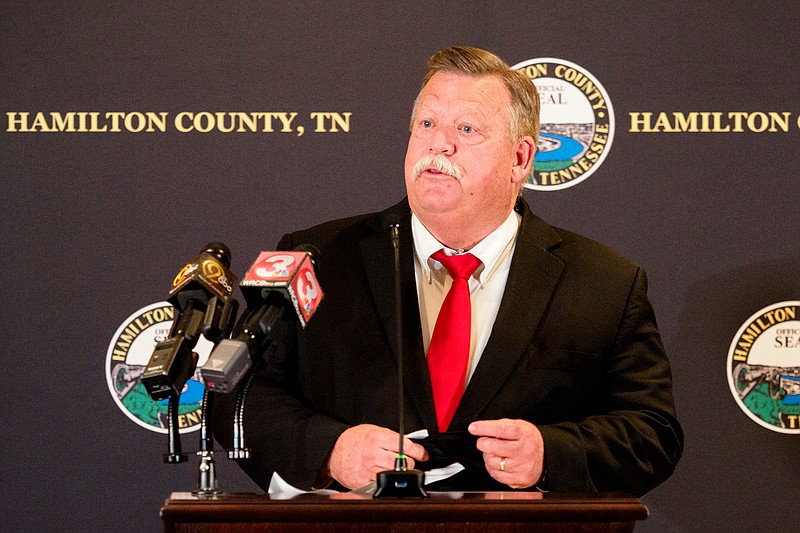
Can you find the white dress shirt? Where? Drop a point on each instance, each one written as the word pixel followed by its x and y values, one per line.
pixel 486 285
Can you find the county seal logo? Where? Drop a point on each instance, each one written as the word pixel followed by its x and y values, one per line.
pixel 128 353
pixel 764 367
pixel 577 123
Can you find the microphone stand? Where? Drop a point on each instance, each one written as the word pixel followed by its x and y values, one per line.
pixel 174 361
pixel 240 451
pixel 207 474
pixel 174 454
pixel 217 325
pixel 400 482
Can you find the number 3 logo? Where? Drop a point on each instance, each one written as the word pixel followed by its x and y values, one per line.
pixel 280 266
pixel 308 292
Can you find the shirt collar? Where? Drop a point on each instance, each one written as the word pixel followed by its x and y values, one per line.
pixel 489 250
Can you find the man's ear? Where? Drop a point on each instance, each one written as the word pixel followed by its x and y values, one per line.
pixel 523 159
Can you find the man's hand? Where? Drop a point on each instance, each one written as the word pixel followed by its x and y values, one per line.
pixel 513 451
pixel 363 451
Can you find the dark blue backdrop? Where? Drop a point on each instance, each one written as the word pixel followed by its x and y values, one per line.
pixel 95 225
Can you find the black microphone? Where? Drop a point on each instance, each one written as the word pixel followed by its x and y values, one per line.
pixel 203 294
pixel 401 482
pixel 276 283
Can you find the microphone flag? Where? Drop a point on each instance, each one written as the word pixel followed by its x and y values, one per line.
pixel 207 272
pixel 289 272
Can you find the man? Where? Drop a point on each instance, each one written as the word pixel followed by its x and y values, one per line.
pixel 563 379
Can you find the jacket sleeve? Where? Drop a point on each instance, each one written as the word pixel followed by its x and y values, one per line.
pixel 632 441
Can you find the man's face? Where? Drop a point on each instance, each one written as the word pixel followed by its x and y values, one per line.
pixel 464 119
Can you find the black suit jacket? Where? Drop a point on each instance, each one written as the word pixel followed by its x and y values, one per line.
pixel 575 350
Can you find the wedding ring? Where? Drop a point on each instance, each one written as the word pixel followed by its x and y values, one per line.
pixel 502 464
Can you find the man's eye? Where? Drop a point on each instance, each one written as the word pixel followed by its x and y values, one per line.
pixel 427 123
pixel 467 129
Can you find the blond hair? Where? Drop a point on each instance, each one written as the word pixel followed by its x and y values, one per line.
pixel 524 109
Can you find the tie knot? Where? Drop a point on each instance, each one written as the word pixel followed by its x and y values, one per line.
pixel 460 266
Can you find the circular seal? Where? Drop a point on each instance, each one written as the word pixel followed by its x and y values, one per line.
pixel 764 367
pixel 128 353
pixel 577 123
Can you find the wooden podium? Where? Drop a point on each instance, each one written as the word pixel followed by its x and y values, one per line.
pixel 442 511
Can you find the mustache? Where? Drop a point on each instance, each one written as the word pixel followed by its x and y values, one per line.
pixel 439 163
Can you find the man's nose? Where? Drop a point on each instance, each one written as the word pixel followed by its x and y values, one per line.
pixel 443 141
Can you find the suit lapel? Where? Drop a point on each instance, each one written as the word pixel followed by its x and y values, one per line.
pixel 532 278
pixel 378 259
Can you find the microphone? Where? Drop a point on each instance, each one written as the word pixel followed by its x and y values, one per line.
pixel 203 294
pixel 276 282
pixel 400 482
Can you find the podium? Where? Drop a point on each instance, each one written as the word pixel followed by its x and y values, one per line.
pixel 442 511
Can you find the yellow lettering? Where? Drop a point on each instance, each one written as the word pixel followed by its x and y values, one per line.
pixel 738 117
pixel 745 346
pixel 718 124
pixel 684 122
pixel 757 122
pixel 141 325
pixel 534 71
pixel 220 121
pixel 248 122
pixel 640 122
pixel 115 117
pixel 550 177
pixel 40 123
pixel 203 122
pixel 158 314
pixel 64 123
pixel 156 121
pixel 336 120
pixel 186 419
pixel 179 125
pixel 136 125
pixel 342 121
pixel 286 120
pixel 711 122
pixel 779 121
pixel 662 124
pixel 14 122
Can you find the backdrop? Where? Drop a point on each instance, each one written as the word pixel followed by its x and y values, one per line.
pixel 121 157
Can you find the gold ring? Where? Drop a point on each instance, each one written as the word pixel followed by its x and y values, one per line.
pixel 502 464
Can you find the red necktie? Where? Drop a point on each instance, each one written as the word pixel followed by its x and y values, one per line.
pixel 448 353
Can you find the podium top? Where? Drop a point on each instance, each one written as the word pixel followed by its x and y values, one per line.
pixel 440 507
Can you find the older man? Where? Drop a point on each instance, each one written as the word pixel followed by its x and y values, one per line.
pixel 539 342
